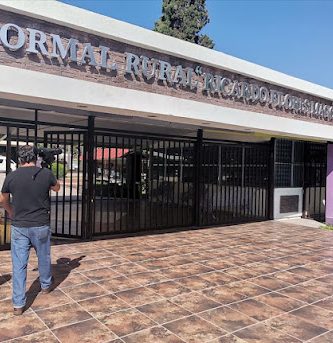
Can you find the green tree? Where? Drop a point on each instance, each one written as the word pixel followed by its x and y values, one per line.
pixel 184 19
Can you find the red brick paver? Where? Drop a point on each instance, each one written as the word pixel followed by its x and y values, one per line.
pixel 262 282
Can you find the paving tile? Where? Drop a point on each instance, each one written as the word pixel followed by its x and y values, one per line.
pixel 42 337
pixel 194 329
pixel 71 280
pixel 118 284
pixel 325 303
pixel 153 335
pixel 125 322
pixel 223 294
pixel 6 309
pixel 129 268
pixel 270 283
pixel 280 301
pixel 53 299
pixel 196 283
pixel 227 319
pixel 195 302
pixel 261 333
pixel 20 326
pixel 218 264
pixel 317 286
pixel 103 305
pixel 63 315
pixel 288 277
pixel 147 278
pixel 218 278
pixel 240 273
pixel 5 292
pixel 84 332
pixel 139 296
pixel 224 265
pixel 228 339
pixel 302 294
pixel 326 279
pixel 248 289
pixel 315 315
pixel 325 338
pixel 163 311
pixel 169 289
pixel 296 327
pixel 85 291
pixel 255 309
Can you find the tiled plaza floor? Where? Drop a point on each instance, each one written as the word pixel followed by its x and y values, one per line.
pixel 262 282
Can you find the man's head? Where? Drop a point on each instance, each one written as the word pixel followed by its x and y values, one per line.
pixel 27 154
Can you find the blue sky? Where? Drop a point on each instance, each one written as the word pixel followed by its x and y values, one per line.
pixel 291 36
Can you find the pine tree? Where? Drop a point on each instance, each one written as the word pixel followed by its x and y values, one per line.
pixel 184 19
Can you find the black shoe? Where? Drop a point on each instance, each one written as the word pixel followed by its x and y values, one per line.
pixel 18 311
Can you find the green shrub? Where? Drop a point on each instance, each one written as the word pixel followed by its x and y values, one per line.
pixel 60 169
pixel 327 227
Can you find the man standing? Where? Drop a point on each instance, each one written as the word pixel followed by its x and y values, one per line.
pixel 29 186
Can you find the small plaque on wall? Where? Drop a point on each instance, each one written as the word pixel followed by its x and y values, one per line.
pixel 289 203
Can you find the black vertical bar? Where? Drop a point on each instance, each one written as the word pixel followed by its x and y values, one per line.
pixel 173 207
pixel 108 188
pixel 179 149
pixel 158 187
pixel 36 128
pixel 148 168
pixel 64 187
pixel 17 144
pixel 84 199
pixel 209 182
pixel 223 188
pixel 242 191
pixel 197 171
pixel 122 184
pixel 129 186
pixel 190 204
pixel 164 174
pixel 134 186
pixel 71 185
pixel 102 186
pixel 151 182
pixel 140 183
pixel 181 179
pixel 8 159
pixel 95 167
pixel 90 225
pixel 78 183
pixel 115 189
pixel 271 178
pixel 168 163
pixel 57 193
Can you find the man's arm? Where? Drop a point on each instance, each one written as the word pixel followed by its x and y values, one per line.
pixel 4 200
pixel 56 187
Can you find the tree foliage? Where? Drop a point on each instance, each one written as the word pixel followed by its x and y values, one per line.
pixel 184 19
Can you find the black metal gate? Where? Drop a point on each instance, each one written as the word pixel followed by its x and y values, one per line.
pixel 233 183
pixel 141 183
pixel 315 165
pixel 120 182
pixel 68 206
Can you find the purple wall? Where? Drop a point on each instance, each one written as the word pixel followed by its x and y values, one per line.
pixel 329 185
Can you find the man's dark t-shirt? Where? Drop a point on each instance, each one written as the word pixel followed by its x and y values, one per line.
pixel 30 187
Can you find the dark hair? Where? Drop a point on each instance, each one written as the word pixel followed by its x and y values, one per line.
pixel 27 154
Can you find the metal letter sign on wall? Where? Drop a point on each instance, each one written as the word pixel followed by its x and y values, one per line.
pixel 13 38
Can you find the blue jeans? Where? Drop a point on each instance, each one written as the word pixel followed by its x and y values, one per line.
pixel 22 239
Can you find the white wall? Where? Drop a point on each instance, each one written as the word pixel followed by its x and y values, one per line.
pixel 278 192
